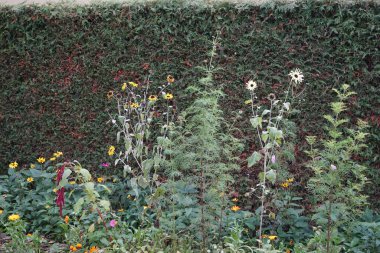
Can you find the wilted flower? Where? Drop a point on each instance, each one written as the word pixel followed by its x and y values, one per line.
pixel 251 85
pixel 110 94
pixel 170 79
pixel 271 96
pixel 296 75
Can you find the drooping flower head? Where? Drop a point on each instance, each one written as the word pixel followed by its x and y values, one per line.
pixel 60 199
pixel 251 85
pixel 296 76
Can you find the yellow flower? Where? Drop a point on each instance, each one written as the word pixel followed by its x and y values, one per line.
pixel 290 180
pixel 235 200
pixel 124 86
pixel 30 179
pixel 285 184
pixel 13 217
pixel 272 237
pixel 146 207
pixel 28 234
pixel 129 196
pixel 13 165
pixel 168 96
pixel 152 98
pixel 32 166
pixel 235 208
pixel 1 211
pixel 247 102
pixel 121 210
pixel 135 105
pixel 55 190
pixel 133 84
pixel 288 251
pixel 72 182
pixel 41 160
pixel 111 150
pixel 66 219
pixel 53 158
pixel 79 246
pixel 73 248
pixel 110 94
pixel 58 154
pixel 100 180
pixel 170 79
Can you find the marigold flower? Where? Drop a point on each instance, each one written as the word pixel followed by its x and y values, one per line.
pixel 235 208
pixel 133 84
pixel 170 79
pixel 124 86
pixel 66 219
pixel 251 85
pixel 73 248
pixel 111 150
pixel 13 217
pixel 30 179
pixel 296 76
pixel 235 199
pixel 152 98
pixel 13 165
pixel 168 96
pixel 41 160
pixel 100 180
pixel 93 249
pixel 110 94
pixel 79 246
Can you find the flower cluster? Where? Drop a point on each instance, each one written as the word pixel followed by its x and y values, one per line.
pixel 76 247
pixel 287 182
pixel 13 217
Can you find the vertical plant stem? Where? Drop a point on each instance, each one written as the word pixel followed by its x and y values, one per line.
pixel 202 209
pixel 329 226
pixel 263 194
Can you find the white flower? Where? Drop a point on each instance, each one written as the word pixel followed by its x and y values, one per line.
pixel 296 75
pixel 251 85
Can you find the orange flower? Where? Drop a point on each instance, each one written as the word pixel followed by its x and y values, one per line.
pixel 93 249
pixel 235 208
pixel 66 219
pixel 170 79
pixel 79 246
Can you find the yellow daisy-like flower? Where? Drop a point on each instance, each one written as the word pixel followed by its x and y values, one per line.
pixel 66 219
pixel 72 182
pixel 247 102
pixel 58 154
pixel 235 200
pixel 272 237
pixel 152 98
pixel 100 180
pixel 13 217
pixel 32 166
pixel 13 165
pixel 111 150
pixel 1 211
pixel 110 94
pixel 170 79
pixel 168 96
pixel 124 86
pixel 41 160
pixel 133 84
pixel 30 179
pixel 121 210
pixel 135 105
pixel 235 208
pixel 29 234
pixel 53 159
pixel 290 180
pixel 285 184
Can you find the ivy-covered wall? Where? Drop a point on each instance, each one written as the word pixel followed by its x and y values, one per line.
pixel 58 63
